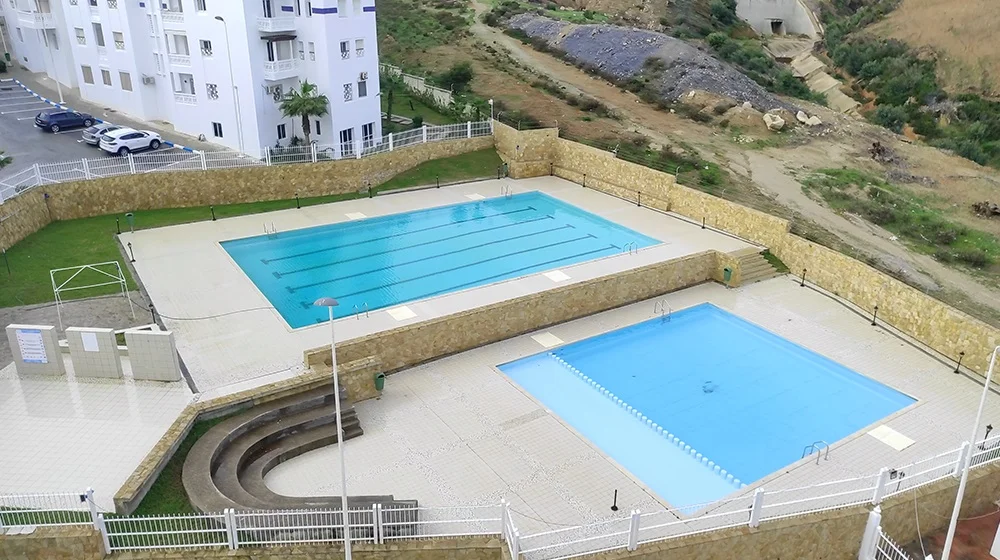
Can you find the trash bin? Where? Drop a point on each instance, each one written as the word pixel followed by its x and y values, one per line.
pixel 727 275
pixel 379 381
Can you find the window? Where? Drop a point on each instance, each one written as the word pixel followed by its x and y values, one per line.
pixel 309 8
pixel 217 129
pixel 88 74
pixel 347 142
pixel 212 90
pixel 93 3
pixel 298 7
pixel 81 37
pixel 281 132
pixel 126 79
pixel 312 50
pixel 348 92
pixel 357 7
pixel 319 128
pixel 345 50
pixel 362 88
pixel 98 34
pixel 106 77
pixel 119 40
pixel 20 36
pixel 368 134
pixel 206 48
pixel 359 47
pixel 200 6
pixel 112 4
pixel 342 8
pixel 302 50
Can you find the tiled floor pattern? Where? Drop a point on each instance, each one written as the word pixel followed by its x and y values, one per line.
pixel 240 342
pixel 65 435
pixel 457 431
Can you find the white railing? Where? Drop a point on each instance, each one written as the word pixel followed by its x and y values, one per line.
pixel 48 509
pixel 281 69
pixel 172 17
pixel 887 549
pixel 36 20
pixel 274 24
pixel 186 98
pixel 179 59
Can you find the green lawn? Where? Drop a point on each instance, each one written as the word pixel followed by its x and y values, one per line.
pixel 405 104
pixel 92 240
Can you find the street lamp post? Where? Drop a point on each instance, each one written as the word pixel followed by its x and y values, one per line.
pixel 967 460
pixel 330 303
pixel 55 69
pixel 232 80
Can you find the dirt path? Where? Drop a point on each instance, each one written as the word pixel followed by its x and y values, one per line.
pixel 767 169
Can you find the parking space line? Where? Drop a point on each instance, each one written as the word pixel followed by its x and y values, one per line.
pixel 6 97
pixel 24 118
pixel 5 105
pixel 69 131
pixel 12 112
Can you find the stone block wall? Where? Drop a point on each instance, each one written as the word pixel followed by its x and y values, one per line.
pixel 54 543
pixel 528 153
pixel 461 548
pixel 21 216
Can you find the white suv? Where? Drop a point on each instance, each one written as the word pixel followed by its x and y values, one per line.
pixel 126 140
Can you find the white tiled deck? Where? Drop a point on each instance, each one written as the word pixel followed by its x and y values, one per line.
pixel 457 431
pixel 239 341
pixel 64 435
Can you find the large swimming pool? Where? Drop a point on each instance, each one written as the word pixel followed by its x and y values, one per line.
pixel 704 403
pixel 381 262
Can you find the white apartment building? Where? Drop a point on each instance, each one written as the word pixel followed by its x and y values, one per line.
pixel 217 68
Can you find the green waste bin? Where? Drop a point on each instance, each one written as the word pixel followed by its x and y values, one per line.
pixel 727 274
pixel 379 381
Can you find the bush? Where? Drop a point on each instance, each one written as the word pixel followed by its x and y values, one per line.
pixel 3 66
pixel 890 116
pixel 710 176
pixel 457 77
pixel 973 257
pixel 723 11
pixel 418 121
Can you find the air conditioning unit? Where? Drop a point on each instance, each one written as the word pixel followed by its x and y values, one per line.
pixel 363 76
pixel 148 80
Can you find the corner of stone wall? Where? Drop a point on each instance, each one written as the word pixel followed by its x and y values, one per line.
pixel 724 261
pixel 527 153
pixel 75 542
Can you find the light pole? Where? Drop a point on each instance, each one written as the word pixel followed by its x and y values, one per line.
pixel 967 460
pixel 491 115
pixel 232 80
pixel 3 39
pixel 330 303
pixel 55 69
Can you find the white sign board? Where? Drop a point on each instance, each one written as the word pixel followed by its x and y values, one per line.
pixel 32 346
pixel 90 342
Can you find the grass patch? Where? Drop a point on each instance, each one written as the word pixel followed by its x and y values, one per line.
pixel 167 494
pixel 405 104
pixel 774 261
pixel 92 240
pixel 407 28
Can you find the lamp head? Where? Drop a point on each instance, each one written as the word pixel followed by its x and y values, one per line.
pixel 326 302
pixel 220 19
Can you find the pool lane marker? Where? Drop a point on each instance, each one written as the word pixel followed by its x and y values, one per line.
pixel 660 430
pixel 556 275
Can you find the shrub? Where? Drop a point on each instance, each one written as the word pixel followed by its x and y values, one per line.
pixel 418 121
pixel 710 176
pixel 723 11
pixel 890 116
pixel 3 66
pixel 457 77
pixel 973 257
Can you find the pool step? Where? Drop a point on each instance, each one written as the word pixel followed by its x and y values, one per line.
pixel 660 430
pixel 755 268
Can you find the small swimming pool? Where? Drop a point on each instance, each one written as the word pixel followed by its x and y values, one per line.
pixel 389 260
pixel 709 401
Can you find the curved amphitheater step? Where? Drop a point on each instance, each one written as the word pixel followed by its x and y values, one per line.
pixel 226 467
pixel 755 268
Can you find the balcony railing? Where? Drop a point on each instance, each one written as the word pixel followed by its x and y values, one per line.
pixel 180 59
pixel 281 69
pixel 102 51
pixel 36 20
pixel 360 52
pixel 275 24
pixel 185 98
pixel 172 17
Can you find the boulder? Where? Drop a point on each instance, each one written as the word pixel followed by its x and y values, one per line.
pixel 747 105
pixel 750 121
pixel 813 121
pixel 773 122
pixel 802 117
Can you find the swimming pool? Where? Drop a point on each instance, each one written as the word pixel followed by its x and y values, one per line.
pixel 381 262
pixel 716 402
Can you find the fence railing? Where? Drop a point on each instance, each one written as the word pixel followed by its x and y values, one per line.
pixel 86 169
pixel 381 524
pixel 887 549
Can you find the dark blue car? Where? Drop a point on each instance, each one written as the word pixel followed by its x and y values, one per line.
pixel 54 121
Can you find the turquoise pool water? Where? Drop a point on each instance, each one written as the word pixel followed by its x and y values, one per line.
pixel 737 401
pixel 389 260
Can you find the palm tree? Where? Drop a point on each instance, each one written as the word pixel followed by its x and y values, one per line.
pixel 305 103
pixel 5 160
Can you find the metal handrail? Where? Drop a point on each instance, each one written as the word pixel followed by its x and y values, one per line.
pixel 663 308
pixel 815 446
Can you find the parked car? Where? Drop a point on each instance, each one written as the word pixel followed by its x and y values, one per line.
pixel 54 121
pixel 126 140
pixel 93 134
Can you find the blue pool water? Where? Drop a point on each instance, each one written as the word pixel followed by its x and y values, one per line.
pixel 385 261
pixel 739 396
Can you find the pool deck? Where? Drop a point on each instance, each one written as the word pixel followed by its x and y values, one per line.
pixel 230 337
pixel 457 431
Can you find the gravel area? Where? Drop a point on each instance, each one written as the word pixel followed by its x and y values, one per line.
pixel 621 52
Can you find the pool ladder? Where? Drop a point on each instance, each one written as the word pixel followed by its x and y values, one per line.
pixel 817 447
pixel 359 310
pixel 506 191
pixel 631 247
pixel 271 232
pixel 663 309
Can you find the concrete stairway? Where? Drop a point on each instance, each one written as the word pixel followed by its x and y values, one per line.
pixel 755 268
pixel 226 467
pixel 813 72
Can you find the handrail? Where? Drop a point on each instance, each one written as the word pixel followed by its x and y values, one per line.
pixel 663 308
pixel 815 446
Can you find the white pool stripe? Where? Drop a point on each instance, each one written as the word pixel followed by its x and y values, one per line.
pixel 660 430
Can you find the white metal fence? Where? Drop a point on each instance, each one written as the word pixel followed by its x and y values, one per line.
pixel 382 524
pixel 164 161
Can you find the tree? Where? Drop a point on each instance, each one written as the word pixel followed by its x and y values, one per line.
pixel 457 77
pixel 389 90
pixel 5 160
pixel 724 11
pixel 306 102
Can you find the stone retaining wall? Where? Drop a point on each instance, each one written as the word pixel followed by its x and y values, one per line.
pixel 78 542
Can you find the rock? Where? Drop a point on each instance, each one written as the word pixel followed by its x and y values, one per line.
pixel 747 105
pixel 802 117
pixel 773 122
pixel 787 116
pixel 750 121
pixel 813 121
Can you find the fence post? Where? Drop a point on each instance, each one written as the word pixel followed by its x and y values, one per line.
pixel 86 168
pixel 377 523
pixel 390 141
pixel 515 545
pixel 423 131
pixel 633 531
pixel 131 164
pixel 870 537
pixel 312 152
pixel 468 129
pixel 756 506
pixel 38 175
pixel 357 148
pixel 883 479
pixel 962 452
pixel 503 520
pixel 230 520
pixel 89 497
pixel 102 526
pixel 267 156
pixel 204 163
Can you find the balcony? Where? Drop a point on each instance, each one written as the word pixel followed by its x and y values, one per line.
pixel 179 59
pixel 102 51
pixel 281 69
pixel 175 18
pixel 36 20
pixel 275 24
pixel 185 98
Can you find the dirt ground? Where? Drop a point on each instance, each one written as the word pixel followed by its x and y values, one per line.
pixel 959 32
pixel 973 539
